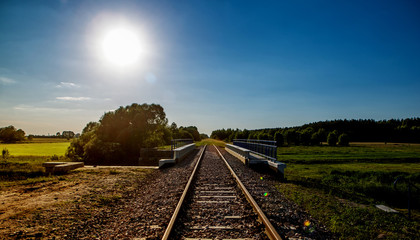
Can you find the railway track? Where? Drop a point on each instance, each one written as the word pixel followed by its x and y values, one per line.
pixel 215 204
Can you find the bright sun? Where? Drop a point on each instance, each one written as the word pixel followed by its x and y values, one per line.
pixel 121 46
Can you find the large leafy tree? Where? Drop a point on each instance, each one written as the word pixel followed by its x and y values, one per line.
pixel 193 131
pixel 10 134
pixel 278 137
pixel 120 134
pixel 332 138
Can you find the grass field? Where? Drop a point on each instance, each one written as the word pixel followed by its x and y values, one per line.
pixel 36 149
pixel 373 152
pixel 48 140
pixel 363 172
pixel 349 220
pixel 24 163
pixel 341 185
pixel 210 141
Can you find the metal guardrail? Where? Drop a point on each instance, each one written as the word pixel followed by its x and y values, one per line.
pixel 264 148
pixel 176 143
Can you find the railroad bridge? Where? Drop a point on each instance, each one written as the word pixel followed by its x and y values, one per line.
pixel 250 152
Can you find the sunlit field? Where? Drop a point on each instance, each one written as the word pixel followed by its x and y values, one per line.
pixel 361 172
pixel 36 149
pixel 24 162
pixel 49 140
pixel 210 141
pixel 341 185
pixel 378 152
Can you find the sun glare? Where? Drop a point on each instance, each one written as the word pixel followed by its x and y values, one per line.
pixel 121 46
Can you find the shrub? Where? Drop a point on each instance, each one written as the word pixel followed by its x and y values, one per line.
pixel 343 140
pixel 5 153
pixel 278 137
pixel 263 136
pixel 292 137
pixel 306 135
pixel 332 138
pixel 315 139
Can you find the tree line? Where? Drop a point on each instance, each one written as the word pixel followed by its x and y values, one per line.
pixel 333 132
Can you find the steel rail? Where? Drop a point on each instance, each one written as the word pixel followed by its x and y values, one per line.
pixel 181 200
pixel 270 230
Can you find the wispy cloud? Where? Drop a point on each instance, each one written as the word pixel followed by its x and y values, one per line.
pixel 67 85
pixel 29 108
pixel 6 81
pixel 73 98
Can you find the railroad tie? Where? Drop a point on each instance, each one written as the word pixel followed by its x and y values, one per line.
pixel 217 196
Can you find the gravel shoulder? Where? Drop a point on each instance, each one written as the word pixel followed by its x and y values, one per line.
pixel 47 209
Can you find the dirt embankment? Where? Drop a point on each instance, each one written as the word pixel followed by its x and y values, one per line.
pixel 47 209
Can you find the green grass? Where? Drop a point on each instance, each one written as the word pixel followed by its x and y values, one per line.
pixel 317 171
pixel 29 181
pixel 340 186
pixel 368 183
pixel 355 152
pixel 108 200
pixel 166 147
pixel 24 168
pixel 210 141
pixel 363 173
pixel 348 220
pixel 48 140
pixel 36 149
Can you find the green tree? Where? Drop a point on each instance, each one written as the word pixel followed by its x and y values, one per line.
pixel 245 134
pixel 253 135
pixel 305 136
pixel 193 131
pixel 77 148
pixel 10 134
pixel 263 136
pixel 278 137
pixel 343 140
pixel 120 134
pixel 315 139
pixel 5 153
pixel 204 136
pixel 167 135
pixel 184 134
pixel 318 137
pixel 332 138
pixel 292 137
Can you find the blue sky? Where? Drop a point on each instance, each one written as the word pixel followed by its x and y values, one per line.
pixel 212 64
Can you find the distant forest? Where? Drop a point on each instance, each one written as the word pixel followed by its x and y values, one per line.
pixel 393 130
